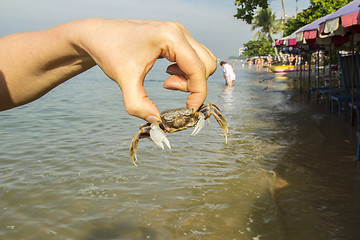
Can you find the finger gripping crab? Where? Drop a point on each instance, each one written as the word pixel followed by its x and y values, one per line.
pixel 176 120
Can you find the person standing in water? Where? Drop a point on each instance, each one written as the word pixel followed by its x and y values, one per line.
pixel 229 74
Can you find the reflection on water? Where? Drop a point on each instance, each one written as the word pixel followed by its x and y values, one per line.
pixel 227 96
pixel 287 172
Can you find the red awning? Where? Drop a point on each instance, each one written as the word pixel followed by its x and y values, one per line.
pixel 312 34
pixel 292 42
pixel 350 19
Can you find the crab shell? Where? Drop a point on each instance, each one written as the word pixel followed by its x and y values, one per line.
pixel 176 120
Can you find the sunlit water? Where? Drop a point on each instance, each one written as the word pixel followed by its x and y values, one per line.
pixel 289 170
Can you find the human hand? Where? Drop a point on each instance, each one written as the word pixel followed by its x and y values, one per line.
pixel 126 50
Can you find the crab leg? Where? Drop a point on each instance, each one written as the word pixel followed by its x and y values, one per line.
pixel 218 113
pixel 214 110
pixel 222 122
pixel 213 106
pixel 142 133
pixel 200 124
pixel 158 135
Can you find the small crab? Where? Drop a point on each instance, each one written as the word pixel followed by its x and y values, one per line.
pixel 176 120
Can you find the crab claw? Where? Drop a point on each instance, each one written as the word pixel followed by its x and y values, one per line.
pixel 158 135
pixel 200 124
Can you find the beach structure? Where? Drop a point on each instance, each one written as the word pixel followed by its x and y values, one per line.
pixel 340 32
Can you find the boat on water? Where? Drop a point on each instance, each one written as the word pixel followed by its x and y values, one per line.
pixel 287 68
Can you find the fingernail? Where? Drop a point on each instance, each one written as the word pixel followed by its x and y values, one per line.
pixel 152 118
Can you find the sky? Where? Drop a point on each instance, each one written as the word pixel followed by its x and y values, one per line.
pixel 211 22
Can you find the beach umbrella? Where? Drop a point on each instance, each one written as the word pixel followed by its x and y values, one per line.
pixel 344 26
pixel 287 41
pixel 290 40
pixel 307 37
pixel 337 27
pixel 308 34
pixel 332 28
pixel 279 42
pixel 345 19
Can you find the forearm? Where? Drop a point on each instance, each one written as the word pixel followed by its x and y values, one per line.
pixel 33 63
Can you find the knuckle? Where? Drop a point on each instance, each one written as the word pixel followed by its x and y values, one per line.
pixel 133 108
pixel 172 30
pixel 175 26
pixel 169 36
pixel 212 67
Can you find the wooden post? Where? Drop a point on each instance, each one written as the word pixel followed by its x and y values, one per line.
pixel 330 73
pixel 309 73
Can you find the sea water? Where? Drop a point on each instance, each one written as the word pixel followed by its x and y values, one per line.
pixel 288 171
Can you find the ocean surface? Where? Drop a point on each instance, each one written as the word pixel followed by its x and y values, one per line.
pixel 289 170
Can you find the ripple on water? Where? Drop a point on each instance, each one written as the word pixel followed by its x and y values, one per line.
pixel 66 172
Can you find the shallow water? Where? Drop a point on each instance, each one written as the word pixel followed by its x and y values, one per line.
pixel 289 170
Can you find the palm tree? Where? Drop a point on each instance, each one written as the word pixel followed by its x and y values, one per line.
pixel 283 8
pixel 266 21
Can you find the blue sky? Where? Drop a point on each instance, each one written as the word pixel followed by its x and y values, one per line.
pixel 211 22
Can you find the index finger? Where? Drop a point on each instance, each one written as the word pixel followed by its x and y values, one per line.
pixel 208 58
pixel 195 61
pixel 191 64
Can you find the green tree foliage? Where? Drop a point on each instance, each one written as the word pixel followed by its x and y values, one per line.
pixel 265 20
pixel 317 9
pixel 260 47
pixel 246 9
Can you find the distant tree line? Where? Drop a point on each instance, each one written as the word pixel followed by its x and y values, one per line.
pixel 257 48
